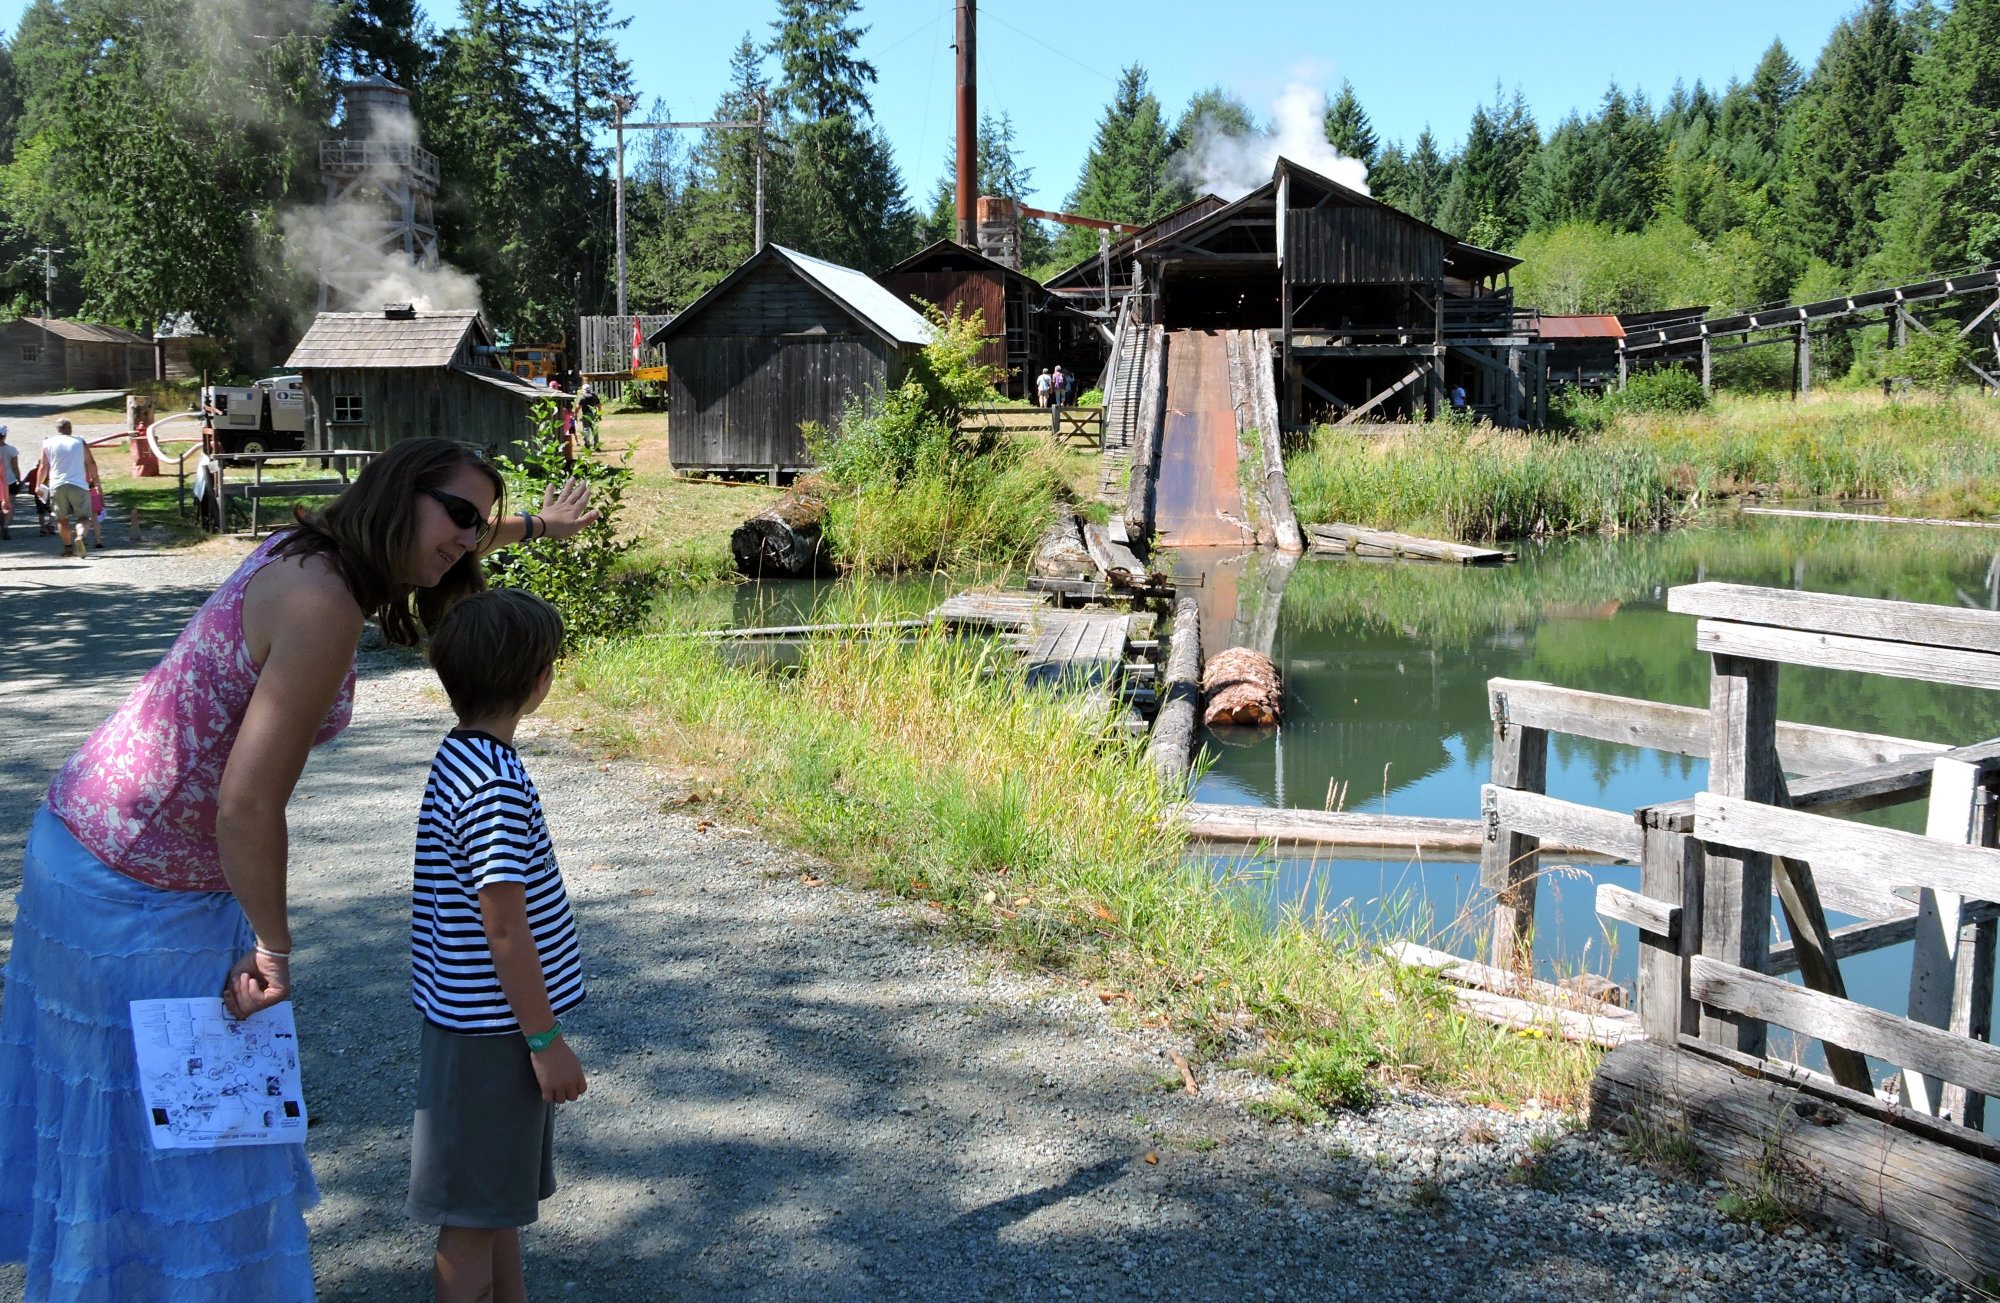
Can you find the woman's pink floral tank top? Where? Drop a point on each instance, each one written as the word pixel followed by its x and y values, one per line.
pixel 141 793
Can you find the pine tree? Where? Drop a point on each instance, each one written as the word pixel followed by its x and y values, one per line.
pixel 709 230
pixel 382 38
pixel 1566 178
pixel 1347 126
pixel 1000 172
pixel 844 195
pixel 1944 195
pixel 1487 203
pixel 1844 147
pixel 1625 144
pixel 1127 175
pixel 1389 176
pixel 1429 180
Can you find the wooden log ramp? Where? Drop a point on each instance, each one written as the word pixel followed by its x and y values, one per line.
pixel 1359 541
pixel 1930 1188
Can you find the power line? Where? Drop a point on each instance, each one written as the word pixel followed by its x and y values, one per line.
pixel 988 14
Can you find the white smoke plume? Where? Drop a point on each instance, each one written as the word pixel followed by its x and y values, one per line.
pixel 343 235
pixel 1232 166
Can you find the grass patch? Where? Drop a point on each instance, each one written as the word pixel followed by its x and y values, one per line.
pixel 928 770
pixel 1651 469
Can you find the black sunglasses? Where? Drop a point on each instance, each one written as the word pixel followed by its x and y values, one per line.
pixel 462 513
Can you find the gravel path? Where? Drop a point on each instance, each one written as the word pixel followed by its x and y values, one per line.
pixel 803 1092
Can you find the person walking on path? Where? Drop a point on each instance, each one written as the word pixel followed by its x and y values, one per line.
pixel 69 470
pixel 1042 384
pixel 156 869
pixel 1058 388
pixel 493 956
pixel 10 483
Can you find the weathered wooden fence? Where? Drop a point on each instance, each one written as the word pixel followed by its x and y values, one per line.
pixel 1082 426
pixel 1910 1164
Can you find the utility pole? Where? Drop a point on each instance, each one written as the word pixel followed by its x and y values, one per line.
pixel 48 278
pixel 621 126
pixel 968 124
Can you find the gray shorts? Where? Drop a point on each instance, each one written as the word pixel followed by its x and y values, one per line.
pixel 482 1150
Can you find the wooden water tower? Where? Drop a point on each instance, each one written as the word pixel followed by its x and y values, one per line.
pixel 381 186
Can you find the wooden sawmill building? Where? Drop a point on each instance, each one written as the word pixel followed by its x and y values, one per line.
pixel 1103 280
pixel 1027 328
pixel 783 341
pixel 373 378
pixel 1372 313
pixel 40 355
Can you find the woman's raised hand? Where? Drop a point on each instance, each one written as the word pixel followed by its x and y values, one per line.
pixel 567 509
pixel 259 980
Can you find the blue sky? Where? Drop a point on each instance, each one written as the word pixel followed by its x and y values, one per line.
pixel 1052 63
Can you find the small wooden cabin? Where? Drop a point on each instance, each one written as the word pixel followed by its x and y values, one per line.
pixel 1027 328
pixel 40 355
pixel 373 378
pixel 784 340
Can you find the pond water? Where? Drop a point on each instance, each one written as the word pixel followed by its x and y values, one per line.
pixel 1386 665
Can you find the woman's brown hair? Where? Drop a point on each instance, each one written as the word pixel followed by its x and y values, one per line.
pixel 369 529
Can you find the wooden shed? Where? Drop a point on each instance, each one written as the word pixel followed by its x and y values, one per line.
pixel 1027 328
pixel 784 340
pixel 40 355
pixel 373 378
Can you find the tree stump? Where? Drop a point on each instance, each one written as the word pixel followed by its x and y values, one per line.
pixel 1241 687
pixel 784 540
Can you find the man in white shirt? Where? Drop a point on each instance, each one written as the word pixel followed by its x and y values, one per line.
pixel 70 472
pixel 10 482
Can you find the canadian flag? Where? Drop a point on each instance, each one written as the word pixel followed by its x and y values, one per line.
pixel 638 342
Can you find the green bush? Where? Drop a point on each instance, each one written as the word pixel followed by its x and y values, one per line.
pixel 1659 389
pixel 593 578
pixel 1934 362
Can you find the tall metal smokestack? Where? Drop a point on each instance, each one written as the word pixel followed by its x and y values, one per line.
pixel 968 125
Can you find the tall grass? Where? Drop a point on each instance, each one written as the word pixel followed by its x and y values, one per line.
pixel 1648 470
pixel 929 770
pixel 951 513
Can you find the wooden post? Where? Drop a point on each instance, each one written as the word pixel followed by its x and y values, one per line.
pixel 1804 361
pixel 1622 373
pixel 1951 965
pixel 1707 367
pixel 1901 320
pixel 1508 863
pixel 1736 886
pixel 1670 869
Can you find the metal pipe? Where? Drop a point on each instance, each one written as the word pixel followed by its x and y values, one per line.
pixel 968 125
pixel 618 207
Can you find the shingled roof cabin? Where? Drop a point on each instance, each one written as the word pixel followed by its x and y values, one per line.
pixel 40 355
pixel 373 378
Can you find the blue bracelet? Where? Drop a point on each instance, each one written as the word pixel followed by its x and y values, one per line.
pixel 539 1041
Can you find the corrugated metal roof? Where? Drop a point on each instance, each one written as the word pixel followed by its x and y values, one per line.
pixel 88 332
pixel 888 314
pixel 504 380
pixel 368 339
pixel 1588 326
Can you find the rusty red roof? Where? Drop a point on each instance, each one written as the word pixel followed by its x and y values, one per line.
pixel 1590 326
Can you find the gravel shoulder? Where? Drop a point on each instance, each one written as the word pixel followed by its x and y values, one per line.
pixel 804 1091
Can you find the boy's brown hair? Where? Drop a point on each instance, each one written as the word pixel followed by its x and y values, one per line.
pixel 490 647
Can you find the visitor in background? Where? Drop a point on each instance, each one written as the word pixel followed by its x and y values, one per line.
pixel 1042 384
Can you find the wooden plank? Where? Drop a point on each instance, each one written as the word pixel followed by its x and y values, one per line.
pixel 1863 655
pixel 1854 618
pixel 1508 866
pixel 1512 1000
pixel 1863 518
pixel 1868 1168
pixel 1608 832
pixel 1653 917
pixel 1812 944
pixel 1684 730
pixel 1249 824
pixel 1891 783
pixel 1341 537
pixel 1944 971
pixel 1736 884
pixel 1854 939
pixel 1830 1018
pixel 1865 862
pixel 1600 1030
pixel 1670 869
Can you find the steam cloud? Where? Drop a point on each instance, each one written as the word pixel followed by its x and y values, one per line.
pixel 1232 166
pixel 342 236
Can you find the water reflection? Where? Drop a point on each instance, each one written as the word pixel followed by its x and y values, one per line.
pixel 1386 666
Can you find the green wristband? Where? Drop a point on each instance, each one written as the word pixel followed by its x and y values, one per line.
pixel 539 1041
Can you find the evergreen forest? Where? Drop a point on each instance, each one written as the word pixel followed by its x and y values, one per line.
pixel 164 146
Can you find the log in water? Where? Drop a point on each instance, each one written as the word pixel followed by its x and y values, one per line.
pixel 784 540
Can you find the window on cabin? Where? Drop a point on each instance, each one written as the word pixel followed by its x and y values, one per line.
pixel 31 352
pixel 347 408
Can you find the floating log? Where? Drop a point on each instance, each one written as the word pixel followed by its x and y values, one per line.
pixel 1380 542
pixel 1061 554
pixel 1874 1169
pixel 1866 519
pixel 1171 748
pixel 1241 686
pixel 784 540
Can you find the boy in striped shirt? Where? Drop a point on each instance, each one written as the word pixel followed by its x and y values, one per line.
pixel 494 958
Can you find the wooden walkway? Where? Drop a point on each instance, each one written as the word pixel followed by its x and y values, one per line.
pixel 1084 651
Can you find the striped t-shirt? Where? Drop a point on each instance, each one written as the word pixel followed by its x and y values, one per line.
pixel 481 823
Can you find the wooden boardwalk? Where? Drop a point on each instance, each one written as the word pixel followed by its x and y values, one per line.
pixel 1084 651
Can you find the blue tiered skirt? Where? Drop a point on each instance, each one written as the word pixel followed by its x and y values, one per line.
pixel 85 1200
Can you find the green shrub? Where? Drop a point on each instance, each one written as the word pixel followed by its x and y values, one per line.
pixel 1091 398
pixel 593 578
pixel 1934 362
pixel 1659 389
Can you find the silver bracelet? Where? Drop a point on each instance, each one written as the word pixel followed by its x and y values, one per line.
pixel 269 953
